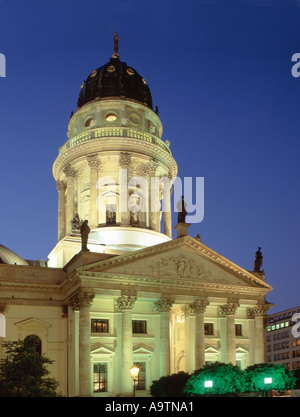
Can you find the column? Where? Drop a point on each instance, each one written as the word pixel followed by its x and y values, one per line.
pixel 189 328
pixel 228 311
pixel 153 196
pixel 259 314
pixel 125 304
pixel 251 336
pixel 82 302
pixel 163 306
pixel 61 229
pixel 124 163
pixel 199 307
pixel 94 164
pixel 167 207
pixel 70 209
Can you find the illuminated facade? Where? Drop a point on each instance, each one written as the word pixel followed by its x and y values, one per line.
pixel 136 296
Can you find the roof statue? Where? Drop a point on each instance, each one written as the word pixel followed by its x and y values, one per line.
pixel 258 260
pixel 84 230
pixel 181 207
pixel 116 46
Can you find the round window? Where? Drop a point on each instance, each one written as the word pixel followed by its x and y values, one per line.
pixel 134 118
pixel 110 117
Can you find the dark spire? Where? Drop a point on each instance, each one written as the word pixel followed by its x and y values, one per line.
pixel 116 46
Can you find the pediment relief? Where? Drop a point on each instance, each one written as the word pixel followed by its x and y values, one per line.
pixel 185 259
pixel 180 265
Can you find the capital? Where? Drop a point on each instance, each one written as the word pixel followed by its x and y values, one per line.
pixel 81 300
pixel 163 304
pixel 153 165
pixel 61 185
pixel 125 159
pixel 93 161
pixel 258 311
pixel 125 302
pixel 69 171
pixel 228 309
pixel 198 306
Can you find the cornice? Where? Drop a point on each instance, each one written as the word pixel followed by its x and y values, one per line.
pixel 114 144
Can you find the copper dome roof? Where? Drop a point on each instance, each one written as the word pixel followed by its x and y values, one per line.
pixel 115 79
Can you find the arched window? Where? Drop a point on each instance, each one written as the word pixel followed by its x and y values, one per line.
pixel 35 341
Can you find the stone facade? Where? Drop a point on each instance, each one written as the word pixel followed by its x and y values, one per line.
pixel 136 296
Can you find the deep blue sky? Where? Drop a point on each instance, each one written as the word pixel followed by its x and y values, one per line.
pixel 220 72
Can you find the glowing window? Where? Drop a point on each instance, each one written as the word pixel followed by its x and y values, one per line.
pixel 110 117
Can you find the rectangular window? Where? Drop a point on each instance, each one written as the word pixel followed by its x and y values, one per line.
pixel 139 326
pixel 238 330
pixel 141 382
pixel 99 326
pixel 100 377
pixel 208 329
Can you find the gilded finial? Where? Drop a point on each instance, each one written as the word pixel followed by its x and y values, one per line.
pixel 116 46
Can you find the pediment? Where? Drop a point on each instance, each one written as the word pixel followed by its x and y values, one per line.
pixel 184 259
pixel 211 350
pixel 32 323
pixel 142 350
pixel 102 350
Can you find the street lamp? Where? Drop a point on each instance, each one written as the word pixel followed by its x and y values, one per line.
pixel 208 384
pixel 134 374
pixel 268 382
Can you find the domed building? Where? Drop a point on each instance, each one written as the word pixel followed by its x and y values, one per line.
pixel 117 289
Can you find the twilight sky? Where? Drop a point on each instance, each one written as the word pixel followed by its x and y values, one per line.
pixel 220 73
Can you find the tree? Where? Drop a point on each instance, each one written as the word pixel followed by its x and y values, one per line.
pixel 23 371
pixel 282 378
pixel 169 386
pixel 226 379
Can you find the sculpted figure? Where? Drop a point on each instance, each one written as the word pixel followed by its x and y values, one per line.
pixel 258 260
pixel 181 207
pixel 84 230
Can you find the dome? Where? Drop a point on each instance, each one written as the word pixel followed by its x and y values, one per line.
pixel 115 79
pixel 9 257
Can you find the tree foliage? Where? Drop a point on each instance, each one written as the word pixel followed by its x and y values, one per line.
pixel 282 378
pixel 169 386
pixel 23 371
pixel 227 379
